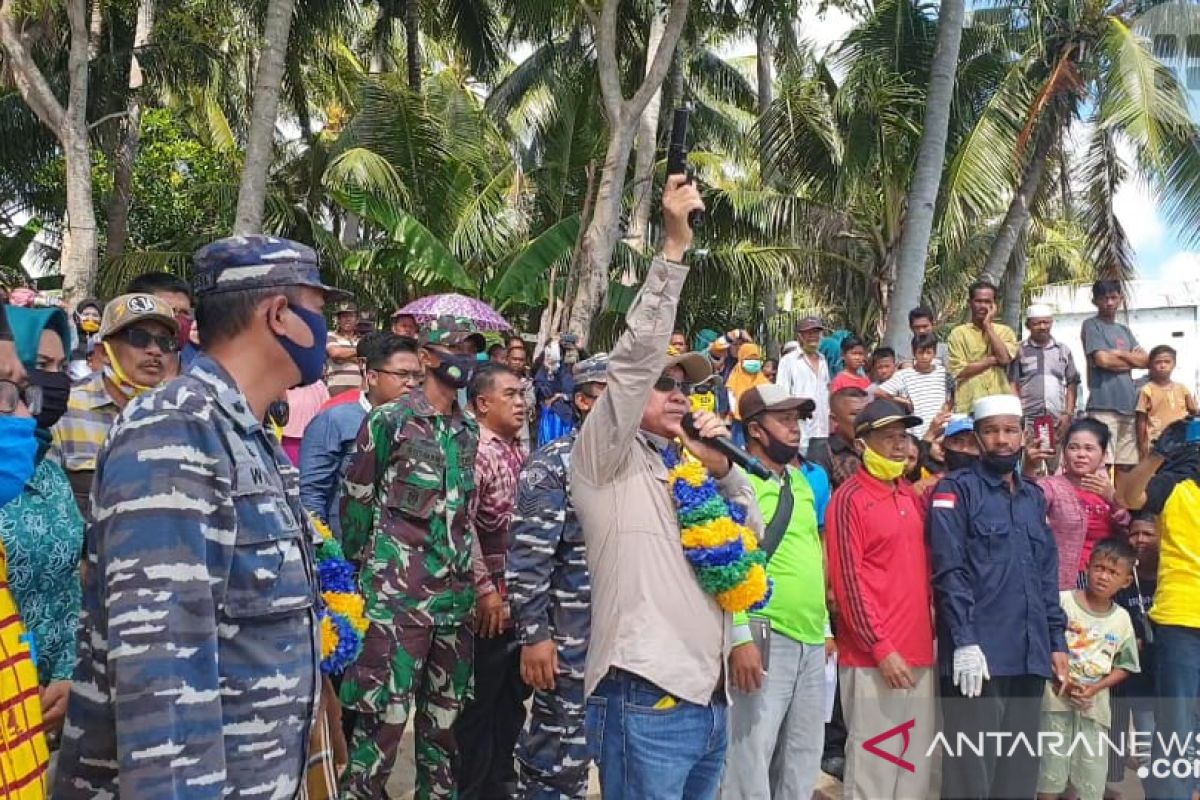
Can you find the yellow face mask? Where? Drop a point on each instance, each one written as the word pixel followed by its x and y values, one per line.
pixel 117 375
pixel 89 326
pixel 882 468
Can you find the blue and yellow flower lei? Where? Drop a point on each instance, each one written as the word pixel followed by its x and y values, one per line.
pixel 342 619
pixel 723 552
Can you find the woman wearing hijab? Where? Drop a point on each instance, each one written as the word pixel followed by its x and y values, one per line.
pixel 42 530
pixel 742 378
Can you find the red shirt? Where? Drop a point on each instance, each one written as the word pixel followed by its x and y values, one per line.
pixel 879 569
pixel 1099 522
pixel 844 379
pixel 342 398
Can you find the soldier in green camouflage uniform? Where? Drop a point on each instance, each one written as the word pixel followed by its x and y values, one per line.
pixel 404 520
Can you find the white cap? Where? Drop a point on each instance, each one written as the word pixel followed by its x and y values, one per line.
pixel 997 405
pixel 790 346
pixel 1039 311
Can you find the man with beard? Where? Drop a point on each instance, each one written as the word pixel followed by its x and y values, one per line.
pixel 777 665
pixel 138 342
pixel 405 521
pixel 1001 629
pixel 550 593
pixel 197 672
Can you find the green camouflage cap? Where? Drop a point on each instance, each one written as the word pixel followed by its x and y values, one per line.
pixel 448 331
pixel 240 263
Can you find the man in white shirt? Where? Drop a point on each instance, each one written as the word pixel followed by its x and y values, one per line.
pixel 804 373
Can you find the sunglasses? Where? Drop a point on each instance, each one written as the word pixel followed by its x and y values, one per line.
pixel 667 384
pixel 12 396
pixel 142 339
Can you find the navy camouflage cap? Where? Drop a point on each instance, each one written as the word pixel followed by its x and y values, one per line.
pixel 591 370
pixel 239 263
pixel 447 330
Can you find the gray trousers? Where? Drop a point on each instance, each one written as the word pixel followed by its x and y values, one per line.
pixel 872 709
pixel 776 734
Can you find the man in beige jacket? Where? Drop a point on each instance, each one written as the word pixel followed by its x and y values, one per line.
pixel 656 716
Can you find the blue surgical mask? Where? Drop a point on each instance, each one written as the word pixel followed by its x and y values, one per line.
pixel 309 360
pixel 752 365
pixel 19 446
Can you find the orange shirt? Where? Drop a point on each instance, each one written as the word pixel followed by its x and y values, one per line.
pixel 1163 405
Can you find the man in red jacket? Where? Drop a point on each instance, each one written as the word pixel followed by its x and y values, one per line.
pixel 879 569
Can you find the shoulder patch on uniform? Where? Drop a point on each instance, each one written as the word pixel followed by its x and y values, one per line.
pixel 944 500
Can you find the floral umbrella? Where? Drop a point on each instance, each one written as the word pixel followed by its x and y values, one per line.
pixel 430 308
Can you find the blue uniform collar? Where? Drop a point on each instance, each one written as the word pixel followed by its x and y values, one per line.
pixel 229 396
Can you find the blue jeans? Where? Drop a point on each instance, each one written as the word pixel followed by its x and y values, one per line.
pixel 1177 682
pixel 648 753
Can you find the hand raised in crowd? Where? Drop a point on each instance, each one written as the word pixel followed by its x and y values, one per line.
pixel 1097 483
pixel 745 667
pixel 539 665
pixel 938 425
pixel 680 198
pixel 708 426
pixel 54 704
pixel 1036 455
pixel 490 615
pixel 830 647
pixel 896 673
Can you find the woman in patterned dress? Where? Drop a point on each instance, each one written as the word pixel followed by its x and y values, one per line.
pixel 42 529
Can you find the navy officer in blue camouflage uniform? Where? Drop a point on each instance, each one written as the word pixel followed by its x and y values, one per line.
pixel 550 598
pixel 198 664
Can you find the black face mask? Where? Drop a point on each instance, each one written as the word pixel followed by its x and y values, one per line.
pixel 454 370
pixel 914 474
pixel 778 451
pixel 953 459
pixel 279 412
pixel 1001 465
pixel 56 390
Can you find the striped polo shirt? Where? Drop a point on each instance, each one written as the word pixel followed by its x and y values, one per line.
pixel 83 429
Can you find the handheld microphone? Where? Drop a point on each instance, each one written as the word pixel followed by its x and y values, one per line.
pixel 727 448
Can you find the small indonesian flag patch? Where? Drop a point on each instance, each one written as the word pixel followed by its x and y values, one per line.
pixel 944 500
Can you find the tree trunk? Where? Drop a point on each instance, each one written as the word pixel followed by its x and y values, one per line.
pixel 350 230
pixel 69 125
pixel 647 149
pixel 623 115
pixel 252 194
pixel 412 43
pixel 117 227
pixel 927 175
pixel 1014 283
pixel 1017 217
pixel 765 68
pixel 95 28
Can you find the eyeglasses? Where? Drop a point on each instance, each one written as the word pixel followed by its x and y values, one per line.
pixel 406 375
pixel 12 396
pixel 141 339
pixel 667 384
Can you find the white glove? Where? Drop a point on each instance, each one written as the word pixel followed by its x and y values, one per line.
pixel 970 670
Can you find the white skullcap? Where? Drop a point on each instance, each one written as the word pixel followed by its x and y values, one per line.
pixel 790 346
pixel 997 405
pixel 1039 311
